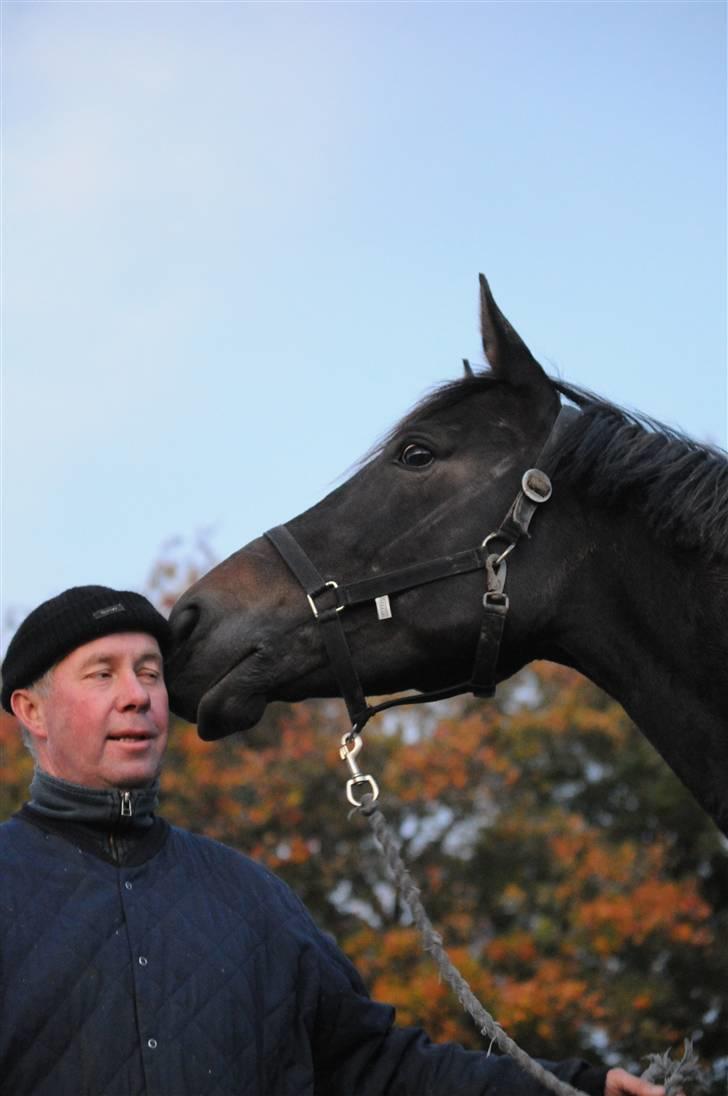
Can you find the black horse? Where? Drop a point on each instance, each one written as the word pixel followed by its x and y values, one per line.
pixel 622 573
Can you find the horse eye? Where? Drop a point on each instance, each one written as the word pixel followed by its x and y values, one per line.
pixel 416 456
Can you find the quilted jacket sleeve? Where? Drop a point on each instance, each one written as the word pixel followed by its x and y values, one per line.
pixel 359 1051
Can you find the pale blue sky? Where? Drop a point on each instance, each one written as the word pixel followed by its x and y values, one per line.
pixel 240 239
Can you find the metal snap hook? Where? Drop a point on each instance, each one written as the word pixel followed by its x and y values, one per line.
pixel 351 744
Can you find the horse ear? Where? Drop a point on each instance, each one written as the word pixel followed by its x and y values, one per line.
pixel 467 368
pixel 508 356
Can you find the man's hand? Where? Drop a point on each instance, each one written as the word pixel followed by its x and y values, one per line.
pixel 621 1083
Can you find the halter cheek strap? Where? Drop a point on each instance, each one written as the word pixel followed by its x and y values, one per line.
pixel 329 619
pixel 328 599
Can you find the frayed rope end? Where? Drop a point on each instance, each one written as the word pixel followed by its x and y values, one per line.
pixel 683 1075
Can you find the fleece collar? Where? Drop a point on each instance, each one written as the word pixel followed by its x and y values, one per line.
pixel 63 801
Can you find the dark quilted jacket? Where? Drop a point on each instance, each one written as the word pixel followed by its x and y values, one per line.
pixel 195 972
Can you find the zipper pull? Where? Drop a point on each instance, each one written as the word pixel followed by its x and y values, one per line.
pixel 126 805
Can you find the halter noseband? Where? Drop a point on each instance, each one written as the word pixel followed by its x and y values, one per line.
pixel 328 599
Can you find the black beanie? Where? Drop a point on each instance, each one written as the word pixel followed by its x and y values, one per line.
pixel 69 620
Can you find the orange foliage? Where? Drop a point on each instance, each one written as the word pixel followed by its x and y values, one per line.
pixel 16 765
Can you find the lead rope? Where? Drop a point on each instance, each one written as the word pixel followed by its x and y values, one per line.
pixel 662 1068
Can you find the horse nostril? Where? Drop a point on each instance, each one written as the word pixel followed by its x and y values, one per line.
pixel 183 623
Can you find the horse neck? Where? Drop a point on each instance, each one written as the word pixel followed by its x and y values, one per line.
pixel 648 626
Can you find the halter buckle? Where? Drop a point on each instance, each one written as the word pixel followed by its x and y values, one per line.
pixel 496 600
pixel 536 485
pixel 312 603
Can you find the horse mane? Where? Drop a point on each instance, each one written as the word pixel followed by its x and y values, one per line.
pixel 625 458
pixel 621 458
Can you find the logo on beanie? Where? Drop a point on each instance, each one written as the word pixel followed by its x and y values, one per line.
pixel 99 614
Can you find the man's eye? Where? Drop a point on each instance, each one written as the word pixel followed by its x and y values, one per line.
pixel 415 455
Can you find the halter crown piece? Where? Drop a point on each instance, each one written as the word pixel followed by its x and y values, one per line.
pixel 327 599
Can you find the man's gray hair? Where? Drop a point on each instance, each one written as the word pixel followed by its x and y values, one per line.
pixel 42 686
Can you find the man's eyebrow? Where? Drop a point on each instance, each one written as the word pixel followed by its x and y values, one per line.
pixel 93 660
pixel 150 656
pixel 108 658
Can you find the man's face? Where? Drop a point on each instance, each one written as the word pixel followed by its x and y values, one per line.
pixel 103 720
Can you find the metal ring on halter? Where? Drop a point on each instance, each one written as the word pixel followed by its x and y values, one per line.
pixel 312 603
pixel 505 553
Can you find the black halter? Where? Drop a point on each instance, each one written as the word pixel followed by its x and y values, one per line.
pixel 328 599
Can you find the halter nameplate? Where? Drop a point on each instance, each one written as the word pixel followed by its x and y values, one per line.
pixel 384 608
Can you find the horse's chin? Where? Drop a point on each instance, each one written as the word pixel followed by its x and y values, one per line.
pixel 224 711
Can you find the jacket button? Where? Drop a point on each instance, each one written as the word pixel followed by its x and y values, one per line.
pixel 128 885
pixel 152 1044
pixel 143 960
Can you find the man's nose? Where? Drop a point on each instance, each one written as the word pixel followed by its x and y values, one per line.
pixel 133 693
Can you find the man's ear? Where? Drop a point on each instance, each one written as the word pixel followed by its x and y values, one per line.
pixel 27 708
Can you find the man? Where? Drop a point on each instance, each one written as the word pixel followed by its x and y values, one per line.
pixel 137 958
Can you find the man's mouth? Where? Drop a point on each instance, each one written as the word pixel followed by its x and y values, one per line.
pixel 142 736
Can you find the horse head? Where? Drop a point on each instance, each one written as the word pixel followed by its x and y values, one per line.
pixel 441 481
pixel 397 579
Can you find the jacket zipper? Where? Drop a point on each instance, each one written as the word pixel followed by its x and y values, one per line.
pixel 126 810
